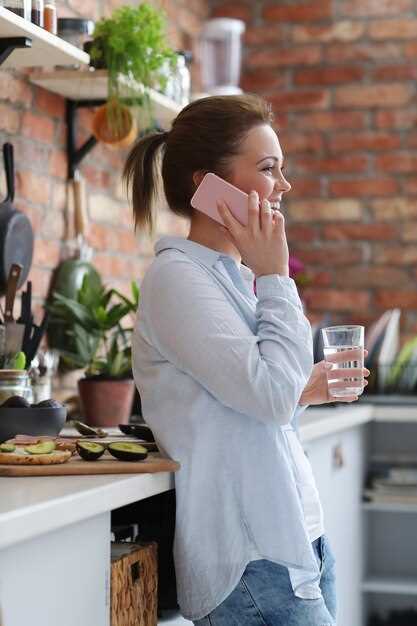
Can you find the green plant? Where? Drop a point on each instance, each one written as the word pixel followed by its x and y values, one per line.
pixel 131 45
pixel 97 340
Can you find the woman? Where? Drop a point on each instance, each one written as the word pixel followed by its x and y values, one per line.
pixel 223 374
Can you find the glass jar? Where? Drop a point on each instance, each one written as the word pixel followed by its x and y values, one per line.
pixel 18 7
pixel 37 12
pixel 49 16
pixel 77 31
pixel 14 383
pixel 183 78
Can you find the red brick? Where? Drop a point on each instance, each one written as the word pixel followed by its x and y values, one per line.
pixel 396 118
pixel 330 254
pixel 390 94
pixel 395 254
pixel 320 278
pixel 263 34
pixel 292 142
pixel 336 31
pixel 47 253
pixel 395 72
pixel 33 187
pixel 96 177
pixel 331 120
pixel 363 140
pixel 103 237
pixel 409 231
pixel 40 278
pixel 336 300
pixel 284 57
pixel 263 80
pixel 410 187
pixel 376 52
pixel 58 164
pixel 360 232
pixel 86 8
pixel 396 162
pixel 188 22
pixel 38 127
pixel 325 210
pixel 410 50
pixel 9 119
pixel 365 277
pixel 299 11
pixel 403 299
pixel 399 208
pixel 49 103
pixel 393 29
pixel 301 232
pixel 364 187
pixel 240 11
pixel 411 140
pixel 299 100
pixel 328 75
pixel 302 187
pixel 372 8
pixel 15 89
pixel 344 163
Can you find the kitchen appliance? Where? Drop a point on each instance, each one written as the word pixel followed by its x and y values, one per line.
pixel 220 49
pixel 16 234
pixel 14 331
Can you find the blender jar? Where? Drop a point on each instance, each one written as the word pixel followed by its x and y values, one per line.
pixel 221 55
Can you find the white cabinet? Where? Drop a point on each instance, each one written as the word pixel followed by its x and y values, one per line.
pixel 338 462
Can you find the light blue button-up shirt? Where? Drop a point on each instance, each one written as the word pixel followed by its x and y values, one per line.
pixel 220 371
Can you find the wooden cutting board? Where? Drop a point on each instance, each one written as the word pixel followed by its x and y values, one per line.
pixel 154 462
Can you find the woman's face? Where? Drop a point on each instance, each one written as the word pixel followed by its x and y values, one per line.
pixel 259 165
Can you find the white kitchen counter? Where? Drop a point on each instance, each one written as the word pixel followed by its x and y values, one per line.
pixel 46 522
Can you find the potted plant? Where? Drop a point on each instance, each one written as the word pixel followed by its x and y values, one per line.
pixel 99 342
pixel 131 45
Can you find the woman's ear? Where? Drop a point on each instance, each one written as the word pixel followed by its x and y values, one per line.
pixel 198 177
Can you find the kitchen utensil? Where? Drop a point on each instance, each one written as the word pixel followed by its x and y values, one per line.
pixel 155 462
pixel 35 339
pixel 26 316
pixel 69 275
pixel 16 234
pixel 14 331
pixel 31 421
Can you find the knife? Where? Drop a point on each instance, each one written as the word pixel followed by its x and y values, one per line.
pixel 14 332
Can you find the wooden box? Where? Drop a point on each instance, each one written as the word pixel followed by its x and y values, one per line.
pixel 134 584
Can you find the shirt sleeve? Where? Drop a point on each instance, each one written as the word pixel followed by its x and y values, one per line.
pixel 194 326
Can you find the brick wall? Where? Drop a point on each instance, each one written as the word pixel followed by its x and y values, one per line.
pixel 33 119
pixel 341 77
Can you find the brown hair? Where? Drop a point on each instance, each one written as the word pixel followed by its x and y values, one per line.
pixel 204 135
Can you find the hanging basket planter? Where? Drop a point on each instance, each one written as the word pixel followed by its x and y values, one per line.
pixel 114 125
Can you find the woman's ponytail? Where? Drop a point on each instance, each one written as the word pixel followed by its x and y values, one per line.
pixel 140 175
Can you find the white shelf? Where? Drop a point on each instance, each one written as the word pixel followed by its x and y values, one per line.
pixel 92 85
pixel 47 50
pixel 390 507
pixel 380 584
pixel 395 414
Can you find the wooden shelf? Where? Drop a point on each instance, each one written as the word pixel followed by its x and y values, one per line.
pixel 381 584
pixel 47 50
pixel 92 85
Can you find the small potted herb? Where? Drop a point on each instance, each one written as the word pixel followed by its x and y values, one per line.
pixel 99 342
pixel 131 45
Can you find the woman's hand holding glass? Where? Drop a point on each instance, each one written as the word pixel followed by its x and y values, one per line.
pixel 262 243
pixel 319 391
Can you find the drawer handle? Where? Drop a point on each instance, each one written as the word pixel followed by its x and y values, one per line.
pixel 135 571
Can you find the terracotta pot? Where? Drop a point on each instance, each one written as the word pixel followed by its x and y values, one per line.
pixel 106 402
pixel 119 137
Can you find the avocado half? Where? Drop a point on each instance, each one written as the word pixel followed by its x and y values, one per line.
pixel 46 447
pixel 7 447
pixel 127 451
pixel 89 450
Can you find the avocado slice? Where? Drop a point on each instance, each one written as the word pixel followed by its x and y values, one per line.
pixel 46 447
pixel 127 451
pixel 7 447
pixel 89 450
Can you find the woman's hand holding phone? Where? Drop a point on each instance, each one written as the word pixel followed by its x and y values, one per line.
pixel 263 242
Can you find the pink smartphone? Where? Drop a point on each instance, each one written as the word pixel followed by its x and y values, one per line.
pixel 213 188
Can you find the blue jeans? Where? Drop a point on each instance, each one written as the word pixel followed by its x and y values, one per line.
pixel 264 596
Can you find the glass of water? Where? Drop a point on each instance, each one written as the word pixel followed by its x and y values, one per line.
pixel 337 339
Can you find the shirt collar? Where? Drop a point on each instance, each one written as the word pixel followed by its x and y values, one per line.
pixel 205 255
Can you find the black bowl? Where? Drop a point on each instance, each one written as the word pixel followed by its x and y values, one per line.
pixel 31 421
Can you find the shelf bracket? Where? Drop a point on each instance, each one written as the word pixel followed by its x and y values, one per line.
pixel 8 44
pixel 75 155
